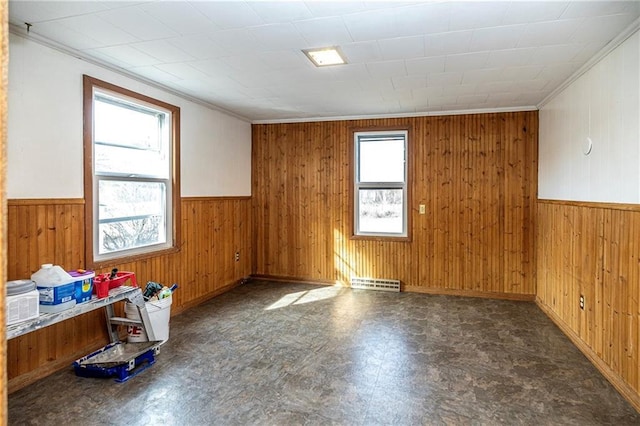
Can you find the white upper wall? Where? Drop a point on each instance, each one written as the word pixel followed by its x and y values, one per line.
pixel 603 105
pixel 45 147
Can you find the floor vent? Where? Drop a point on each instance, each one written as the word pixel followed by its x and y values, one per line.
pixel 375 284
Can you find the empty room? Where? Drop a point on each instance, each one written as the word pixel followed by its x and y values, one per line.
pixel 320 212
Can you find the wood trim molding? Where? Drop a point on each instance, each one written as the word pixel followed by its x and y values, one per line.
pixel 408 289
pixel 470 293
pixel 216 198
pixel 299 280
pixel 44 201
pixel 625 390
pixel 592 204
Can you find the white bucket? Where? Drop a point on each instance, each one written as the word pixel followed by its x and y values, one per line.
pixel 159 314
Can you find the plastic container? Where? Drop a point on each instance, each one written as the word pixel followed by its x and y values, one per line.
pixel 22 302
pixel 159 314
pixel 83 285
pixel 56 287
pixel 118 280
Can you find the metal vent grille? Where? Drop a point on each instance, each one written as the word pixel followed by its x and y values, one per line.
pixel 375 284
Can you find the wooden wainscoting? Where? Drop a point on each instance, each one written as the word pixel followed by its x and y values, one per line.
pixel 593 250
pixel 52 231
pixel 476 174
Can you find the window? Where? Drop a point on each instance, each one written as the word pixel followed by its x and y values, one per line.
pixel 131 188
pixel 380 184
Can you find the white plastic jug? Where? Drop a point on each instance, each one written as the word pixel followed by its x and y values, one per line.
pixel 56 287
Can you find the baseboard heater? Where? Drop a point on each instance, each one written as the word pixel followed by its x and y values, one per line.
pixel 375 284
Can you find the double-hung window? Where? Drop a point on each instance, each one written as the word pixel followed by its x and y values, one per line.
pixel 380 184
pixel 131 145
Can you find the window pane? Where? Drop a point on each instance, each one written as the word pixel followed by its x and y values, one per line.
pixel 123 124
pixel 130 139
pixel 115 159
pixel 380 210
pixel 131 214
pixel 381 160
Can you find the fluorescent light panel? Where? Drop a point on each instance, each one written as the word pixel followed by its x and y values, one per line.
pixel 325 56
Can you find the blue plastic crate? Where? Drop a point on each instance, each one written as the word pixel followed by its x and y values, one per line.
pixel 120 360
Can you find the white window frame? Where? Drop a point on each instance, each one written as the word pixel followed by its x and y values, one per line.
pixel 169 145
pixel 357 185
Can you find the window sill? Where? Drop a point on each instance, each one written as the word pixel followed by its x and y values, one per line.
pixel 381 238
pixel 109 263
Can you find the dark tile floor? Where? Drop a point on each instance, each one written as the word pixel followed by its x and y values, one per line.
pixel 287 354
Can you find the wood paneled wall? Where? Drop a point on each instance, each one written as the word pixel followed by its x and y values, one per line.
pixel 593 250
pixel 476 174
pixel 52 231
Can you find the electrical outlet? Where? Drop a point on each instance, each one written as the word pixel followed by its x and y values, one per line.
pixel 581 302
pixel 422 209
pixel 237 256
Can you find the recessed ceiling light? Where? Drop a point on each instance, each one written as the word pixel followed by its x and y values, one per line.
pixel 325 56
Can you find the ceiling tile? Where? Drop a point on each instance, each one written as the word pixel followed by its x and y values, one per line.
pixel 334 8
pixel 471 15
pixel 402 48
pixel 155 74
pixel 444 79
pixel 554 54
pixel 472 99
pixel 182 71
pixel 136 22
pixel 481 76
pixel 229 14
pixel 181 17
pixel 510 57
pixel 350 72
pixel 199 46
pixel 588 9
pixel 370 26
pixel 244 62
pixel 428 18
pixel 387 69
pixel 496 38
pixel 558 71
pixel 278 36
pixel 366 51
pixel 409 82
pixel 212 67
pixel 427 92
pixel 496 87
pixel 41 11
pixel 376 84
pixel 601 28
pixel 323 32
pixel 447 43
pixel 280 11
pixel 548 33
pixel 466 61
pixel 522 12
pixel 237 41
pixel 96 28
pixel 66 36
pixel 163 51
pixel 525 73
pixel 425 65
pixel 285 59
pixel 127 55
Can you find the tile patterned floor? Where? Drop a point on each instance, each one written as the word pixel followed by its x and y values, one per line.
pixel 288 354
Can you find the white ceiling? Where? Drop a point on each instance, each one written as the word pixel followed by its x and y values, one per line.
pixel 405 58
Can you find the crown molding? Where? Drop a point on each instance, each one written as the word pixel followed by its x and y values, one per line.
pixel 400 115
